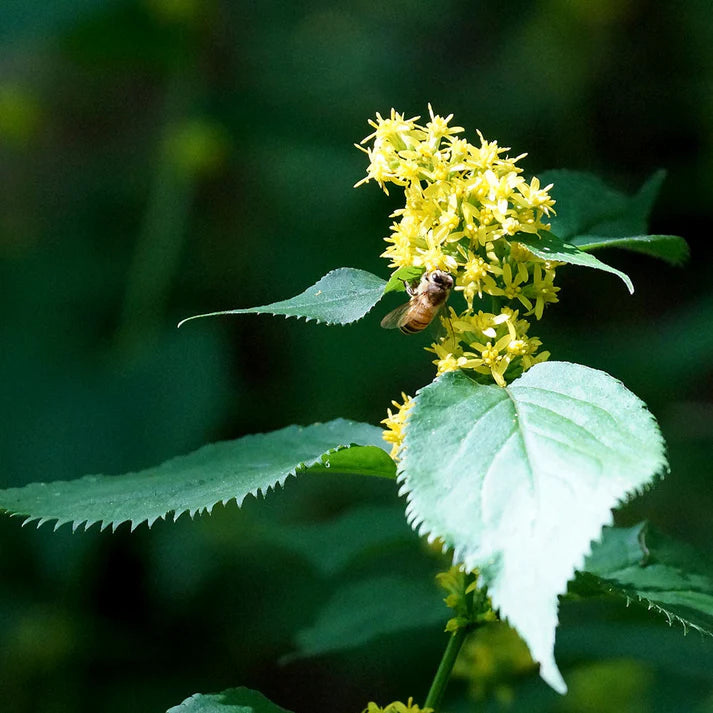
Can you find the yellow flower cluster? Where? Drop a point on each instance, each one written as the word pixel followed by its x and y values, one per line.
pixel 465 207
pixel 487 343
pixel 397 707
pixel 395 422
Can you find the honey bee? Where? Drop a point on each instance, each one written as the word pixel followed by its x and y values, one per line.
pixel 427 298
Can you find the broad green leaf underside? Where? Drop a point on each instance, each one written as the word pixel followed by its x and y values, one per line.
pixel 519 481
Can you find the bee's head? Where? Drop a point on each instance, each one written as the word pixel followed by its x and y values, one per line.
pixel 442 279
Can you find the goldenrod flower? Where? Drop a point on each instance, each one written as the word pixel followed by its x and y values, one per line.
pixel 395 422
pixel 542 289
pixel 465 206
pixel 397 707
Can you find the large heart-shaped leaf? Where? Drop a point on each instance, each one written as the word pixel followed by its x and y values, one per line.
pixel 340 297
pixel 194 483
pixel 233 700
pixel 520 480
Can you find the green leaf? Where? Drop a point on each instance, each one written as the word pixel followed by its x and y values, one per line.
pixel 670 248
pixel 550 247
pixel 342 296
pixel 360 612
pixel 587 206
pixel 407 273
pixel 667 575
pixel 592 215
pixel 194 483
pixel 520 480
pixel 233 700
pixel 332 545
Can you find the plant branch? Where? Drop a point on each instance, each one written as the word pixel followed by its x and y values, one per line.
pixel 443 674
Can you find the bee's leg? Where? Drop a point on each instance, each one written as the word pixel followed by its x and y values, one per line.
pixel 410 291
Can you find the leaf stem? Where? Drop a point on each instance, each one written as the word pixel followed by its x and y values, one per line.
pixel 443 674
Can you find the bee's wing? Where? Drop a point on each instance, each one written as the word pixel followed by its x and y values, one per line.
pixel 395 318
pixel 437 327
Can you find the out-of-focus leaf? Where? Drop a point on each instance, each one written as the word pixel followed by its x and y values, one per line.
pixel 667 575
pixel 548 246
pixel 587 206
pixel 233 700
pixel 340 297
pixel 671 248
pixel 362 611
pixel 195 483
pixel 591 215
pixel 331 545
pixel 520 480
pixel 19 18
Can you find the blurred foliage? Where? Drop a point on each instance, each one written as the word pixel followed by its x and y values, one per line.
pixel 161 158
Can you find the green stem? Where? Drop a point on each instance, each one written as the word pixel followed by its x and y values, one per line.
pixel 443 674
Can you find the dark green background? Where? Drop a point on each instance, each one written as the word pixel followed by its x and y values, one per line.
pixel 160 158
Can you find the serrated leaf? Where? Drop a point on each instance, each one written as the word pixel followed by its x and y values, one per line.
pixel 342 296
pixel 233 700
pixel 671 248
pixel 588 206
pixel 520 480
pixel 548 246
pixel 195 483
pixel 592 215
pixel 642 564
pixel 360 612
pixel 407 273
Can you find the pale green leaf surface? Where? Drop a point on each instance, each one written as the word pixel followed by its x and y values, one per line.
pixel 667 575
pixel 360 612
pixel 233 700
pixel 194 483
pixel 671 248
pixel 548 246
pixel 520 480
pixel 342 296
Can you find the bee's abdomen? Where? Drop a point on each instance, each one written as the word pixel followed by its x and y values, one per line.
pixel 415 324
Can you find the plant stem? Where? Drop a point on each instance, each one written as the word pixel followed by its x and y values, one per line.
pixel 443 674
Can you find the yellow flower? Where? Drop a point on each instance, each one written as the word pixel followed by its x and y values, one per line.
pixel 513 284
pixel 395 423
pixel 475 276
pixel 397 707
pixel 542 289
